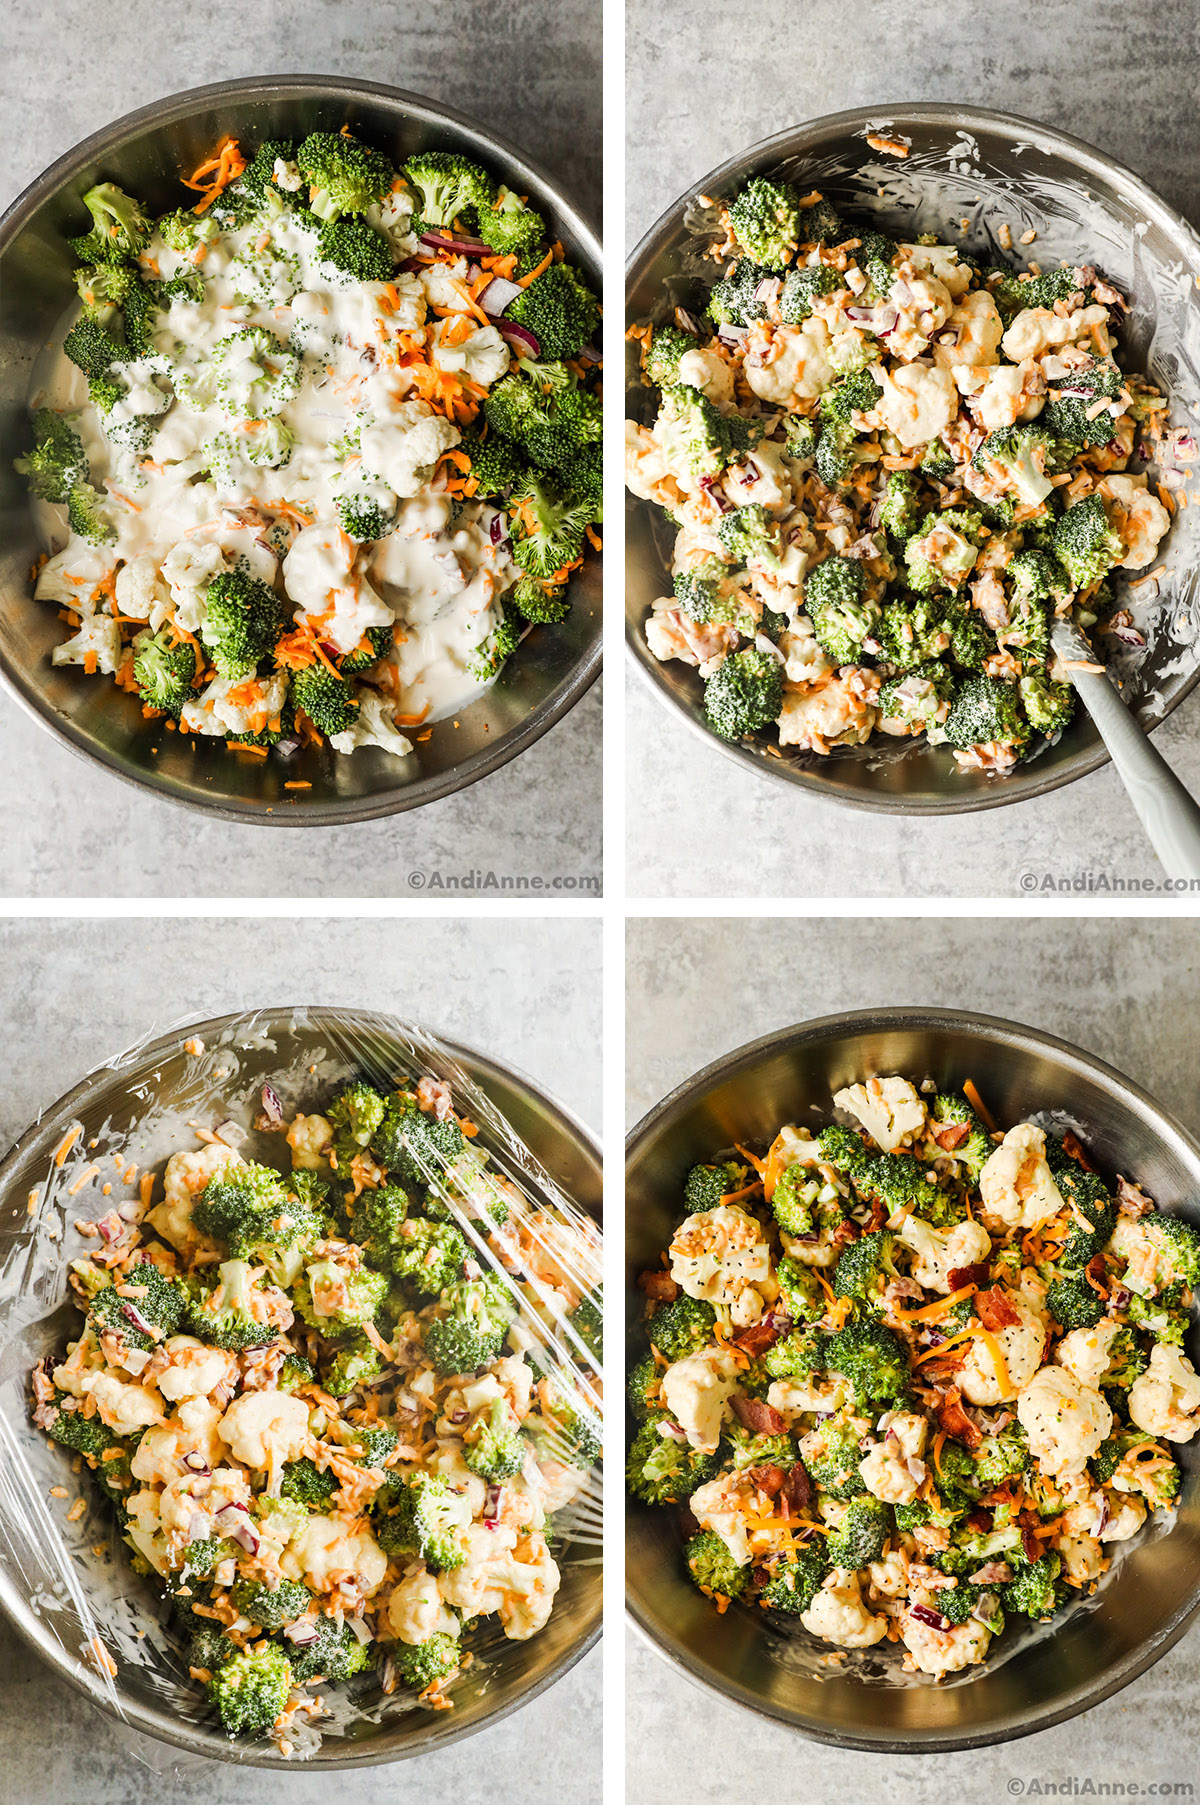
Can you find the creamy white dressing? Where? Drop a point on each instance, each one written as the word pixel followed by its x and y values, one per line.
pixel 358 427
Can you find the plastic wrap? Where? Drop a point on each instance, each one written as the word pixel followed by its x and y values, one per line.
pixel 67 1582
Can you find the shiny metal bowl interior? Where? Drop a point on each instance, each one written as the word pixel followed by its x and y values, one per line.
pixel 141 1103
pixel 1037 1676
pixel 145 152
pixel 988 170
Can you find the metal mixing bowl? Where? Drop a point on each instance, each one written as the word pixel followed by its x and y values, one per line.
pixel 145 152
pixel 140 1105
pixel 987 170
pixel 1036 1676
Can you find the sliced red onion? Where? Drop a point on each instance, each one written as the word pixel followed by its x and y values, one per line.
pixel 410 266
pixel 984 1608
pixel 671 1432
pixel 132 1314
pixel 1128 636
pixel 768 290
pixel 287 746
pixel 495 1497
pixel 917 1468
pixel 244 1534
pixel 934 1619
pixel 496 531
pixel 459 1416
pixel 521 336
pixel 198 1527
pixel 768 646
pixel 499 294
pixel 195 1462
pixel 272 1107
pixel 589 355
pixel 360 1628
pixel 329 649
pixel 301 1633
pixel 464 247
pixel 110 1227
pixel 131 1211
pixel 731 335
pixel 232 1133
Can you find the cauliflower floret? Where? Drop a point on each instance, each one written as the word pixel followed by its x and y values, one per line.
pixel 144 1529
pixel 1085 1352
pixel 763 475
pixel 260 700
pixel 836 711
pixel 1012 392
pixel 940 1253
pixel 415 1610
pixel 310 1138
pixel 806 662
pixel 720 1506
pixel 1140 518
pixel 1081 1557
pixel 893 1470
pixel 98 638
pixel 723 1255
pixel 707 370
pixel 156 1458
pixel 203 1496
pixel 123 1408
pixel 794 1397
pixel 265 1428
pixel 922 305
pixel 188 569
pixel 972 338
pixel 1125 1519
pixel 837 1614
pixel 373 725
pixel 393 216
pixel 1016 1184
pixel 696 1390
pixel 648 475
pixel 195 1370
pixel 532 1582
pixel 324 1553
pixel 889 1577
pixel 140 589
pixel 1020 1345
pixel 1036 329
pixel 1064 1421
pixel 1165 1399
pixel 943 1651
pixel 888 1108
pixel 73 573
pixel 478 1586
pixel 941 260
pixel 789 364
pixel 483 355
pixel 404 449
pixel 918 402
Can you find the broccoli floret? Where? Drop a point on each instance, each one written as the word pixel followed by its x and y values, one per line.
pixel 328 701
pixel 352 1366
pixel 749 1450
pixel 914 630
pixel 1013 293
pixel 866 1268
pixel 795 1582
pixel 306 1483
pixel 143 1308
pixel 986 711
pixel 344 175
pixel 744 693
pixel 250 1690
pixel 378 1215
pixel 295 1372
pixel 500 1449
pixel 800 1289
pixel 422 1515
pixel 543 410
pixel 497 464
pixel 472 1333
pixel 1179 1240
pixel 1016 456
pixel 697 434
pixel 792 1201
pixel 355 1114
pixel 1127 1360
pixel 414 1144
pixel 184 230
pixel 333 1295
pixel 57 462
pixel 943 552
pixel 448 185
pixel 999 1457
pixel 1158 1481
pixel 210 1648
pixel 499 645
pixel 765 219
pixel 896 1180
pixel 698 589
pixel 164 673
pixel 86 516
pixel 376 643
pixel 918 698
pixel 356 249
pixel 821 223
pixel 682 1327
pixel 800 1353
pixel 833 601
pixel 334 1654
pixel 734 300
pixel 539 603
pixel 1073 1304
pixel 713 1567
pixel 1160 1316
pixel 249 1208
pixel 91 349
pixel 560 310
pixel 1048 706
pixel 837 453
pixel 547 526
pixel 1070 422
pixel 802 287
pixel 587 1320
pixel 667 345
pixel 1035 1591
pixel 271 1607
pixel 833 1458
pixel 662 1470
pixel 1092 1236
pixel 510 226
pixel 642 1386
pixel 861 1534
pixel 749 535
pixel 421 1664
pixel 1084 542
pixel 951 1110
pixel 120 228
pixel 361 518
pixel 242 622
pixel 872 1358
pixel 900 515
pixel 86 1435
pixel 234 1312
pixel 1037 576
pixel 803 437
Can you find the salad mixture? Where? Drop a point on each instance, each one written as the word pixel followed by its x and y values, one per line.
pixel 323 446
pixel 889 468
pixel 332 1421
pixel 911 1378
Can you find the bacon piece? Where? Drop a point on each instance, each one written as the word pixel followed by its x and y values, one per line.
pixel 1031 1545
pixel 951 1135
pixel 1133 1200
pixel 980 1520
pixel 759 1418
pixel 660 1286
pixel 845 1231
pixel 942 1366
pixel 954 1420
pixel 978 1274
pixel 769 1479
pixel 1072 1147
pixel 995 1310
pixel 763 1334
pixel 1096 1274
pixel 798 1491
pixel 433 1097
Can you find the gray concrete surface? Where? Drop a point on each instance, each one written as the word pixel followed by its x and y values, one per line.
pixel 71 994
pixel 1127 991
pixel 530 70
pixel 703 83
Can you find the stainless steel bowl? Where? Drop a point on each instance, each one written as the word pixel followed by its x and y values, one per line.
pixel 140 1105
pixel 145 152
pixel 1054 1671
pixel 987 169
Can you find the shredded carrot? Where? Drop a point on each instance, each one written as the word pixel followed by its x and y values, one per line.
pixel 65 1145
pixel 547 260
pixel 85 1178
pixel 412 720
pixel 939 1306
pixel 746 1191
pixel 978 1105
pixel 943 1347
pixel 939 1442
pixel 224 167
pixel 759 1165
pixel 296 784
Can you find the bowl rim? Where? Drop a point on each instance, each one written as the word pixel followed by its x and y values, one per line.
pixel 984 1028
pixel 793 141
pixel 167 110
pixel 49 1121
